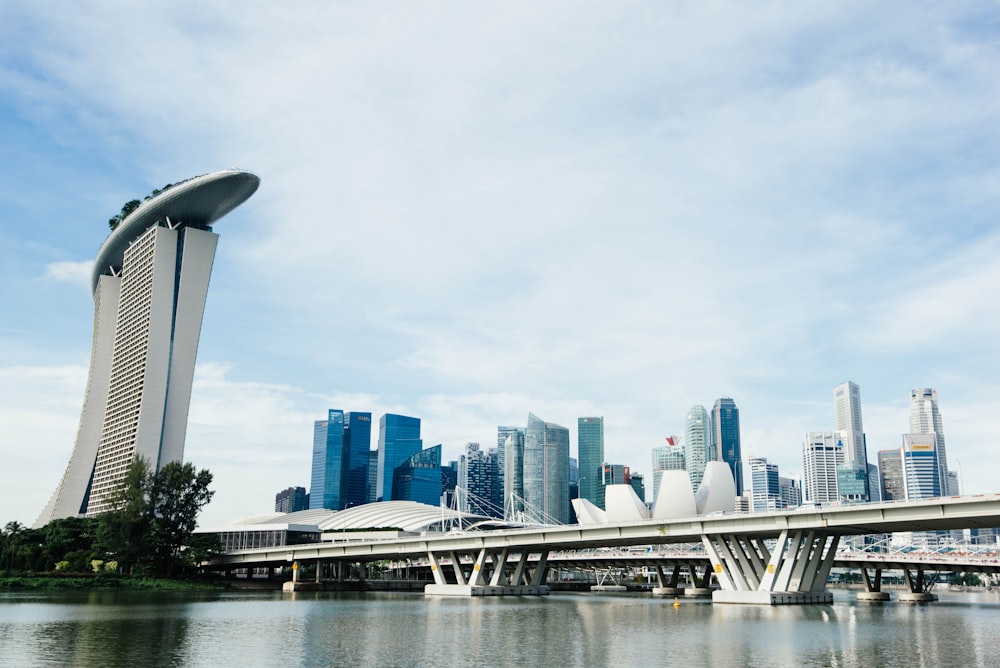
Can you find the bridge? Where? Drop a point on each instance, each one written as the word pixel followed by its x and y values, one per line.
pixel 770 558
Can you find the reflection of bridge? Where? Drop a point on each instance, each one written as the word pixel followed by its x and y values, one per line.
pixel 769 558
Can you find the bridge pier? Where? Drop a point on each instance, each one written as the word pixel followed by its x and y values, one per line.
pixel 491 574
pixel 920 588
pixel 795 573
pixel 873 587
pixel 668 586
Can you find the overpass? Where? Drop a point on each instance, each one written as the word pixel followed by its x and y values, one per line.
pixel 764 558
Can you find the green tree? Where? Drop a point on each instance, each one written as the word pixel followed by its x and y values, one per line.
pixel 123 531
pixel 177 494
pixel 69 535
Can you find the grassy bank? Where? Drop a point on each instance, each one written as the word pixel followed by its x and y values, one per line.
pixel 46 582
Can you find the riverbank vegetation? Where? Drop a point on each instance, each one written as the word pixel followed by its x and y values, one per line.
pixel 148 533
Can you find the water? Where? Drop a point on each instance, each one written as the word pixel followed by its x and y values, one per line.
pixel 386 629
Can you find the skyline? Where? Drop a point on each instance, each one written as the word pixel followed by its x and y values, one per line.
pixel 469 214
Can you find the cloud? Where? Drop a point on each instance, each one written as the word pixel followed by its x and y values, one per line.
pixel 69 272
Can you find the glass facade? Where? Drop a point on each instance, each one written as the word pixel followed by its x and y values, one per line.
pixel 697 444
pixel 419 478
pixel 546 471
pixel 327 462
pixel 765 486
pixel 726 438
pixel 398 440
pixel 590 452
pixel 890 466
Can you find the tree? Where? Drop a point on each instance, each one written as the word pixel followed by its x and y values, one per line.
pixel 122 531
pixel 176 496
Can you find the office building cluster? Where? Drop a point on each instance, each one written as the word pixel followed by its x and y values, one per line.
pixel 835 466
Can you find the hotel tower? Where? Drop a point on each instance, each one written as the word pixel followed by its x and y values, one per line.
pixel 150 281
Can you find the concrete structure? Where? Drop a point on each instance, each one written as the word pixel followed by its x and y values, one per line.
pixel 150 282
pixel 822 452
pixel 726 438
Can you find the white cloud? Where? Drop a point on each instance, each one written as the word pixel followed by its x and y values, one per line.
pixel 70 272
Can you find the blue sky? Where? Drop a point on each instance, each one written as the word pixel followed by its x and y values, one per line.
pixel 472 212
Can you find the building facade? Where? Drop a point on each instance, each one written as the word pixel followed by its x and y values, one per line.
pixel 921 468
pixel 590 453
pixel 726 438
pixel 669 457
pixel 511 440
pixel 398 440
pixel 341 447
pixel 890 467
pixel 419 477
pixel 925 418
pixel 150 283
pixel 697 443
pixel 822 452
pixel 546 471
pixel 765 491
pixel 847 416
pixel 291 500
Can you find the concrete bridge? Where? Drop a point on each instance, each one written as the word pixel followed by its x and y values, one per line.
pixel 763 558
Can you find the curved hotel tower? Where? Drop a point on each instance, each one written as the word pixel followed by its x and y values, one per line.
pixel 150 281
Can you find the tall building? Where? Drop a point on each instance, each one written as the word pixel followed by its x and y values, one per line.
pixel 590 452
pixel 726 438
pixel 638 482
pixel 765 490
pixel 477 477
pixel 697 443
pixel 925 418
pixel 341 447
pixel 791 493
pixel 546 471
pixel 669 457
pixel 372 475
pixel 418 478
pixel 847 415
pixel 150 282
pixel 291 500
pixel 398 440
pixel 611 474
pixel 513 478
pixel 822 452
pixel 921 469
pixel 890 467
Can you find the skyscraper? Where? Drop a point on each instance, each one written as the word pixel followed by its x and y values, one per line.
pixel 546 471
pixel 847 415
pixel 669 457
pixel 418 478
pixel 697 443
pixel 150 282
pixel 291 500
pixel 398 440
pixel 822 452
pixel 477 476
pixel 511 441
pixel 890 466
pixel 590 451
pixel 341 447
pixel 726 438
pixel 765 489
pixel 925 418
pixel 921 469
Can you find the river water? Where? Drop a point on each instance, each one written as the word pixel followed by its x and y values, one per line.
pixel 563 629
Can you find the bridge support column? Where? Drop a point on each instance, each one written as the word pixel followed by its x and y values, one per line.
pixel 795 573
pixel 668 586
pixel 701 585
pixel 920 588
pixel 492 573
pixel 873 587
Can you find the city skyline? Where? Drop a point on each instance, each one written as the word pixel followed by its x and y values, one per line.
pixel 531 213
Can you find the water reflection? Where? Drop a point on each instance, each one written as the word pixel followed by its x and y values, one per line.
pixel 319 629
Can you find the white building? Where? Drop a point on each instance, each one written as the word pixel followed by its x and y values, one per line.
pixel 697 443
pixel 925 418
pixel 822 451
pixel 150 282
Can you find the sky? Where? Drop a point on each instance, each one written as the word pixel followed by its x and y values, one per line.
pixel 473 211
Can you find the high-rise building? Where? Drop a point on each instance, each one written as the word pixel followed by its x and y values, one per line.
pixel 546 471
pixel 418 478
pixel 874 484
pixel 890 467
pixel 925 418
pixel 822 452
pixel 611 474
pixel 477 477
pixel 513 478
pixel 765 491
pixel 697 443
pixel 638 482
pixel 921 470
pixel 398 440
pixel 291 500
pixel 726 438
pixel 449 481
pixel 590 451
pixel 325 490
pixel 669 457
pixel 341 447
pixel 791 492
pixel 150 282
pixel 847 415
pixel 372 475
